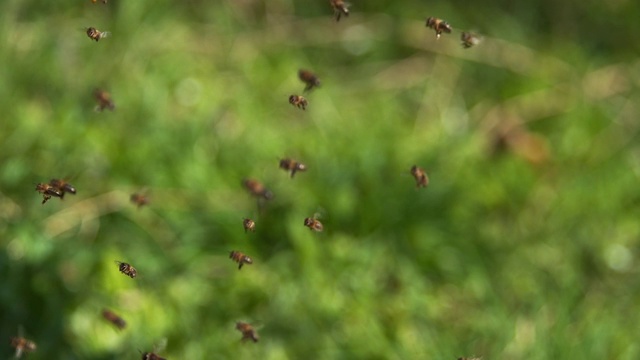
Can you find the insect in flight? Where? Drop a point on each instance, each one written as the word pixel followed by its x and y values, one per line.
pixel 299 101
pixel 340 7
pixel 313 223
pixel 48 191
pixel 22 345
pixel 309 78
pixel 95 34
pixel 127 269
pixel 63 187
pixel 103 98
pixel 422 180
pixel 240 258
pixel 469 39
pixel 249 225
pixel 116 320
pixel 248 331
pixel 256 188
pixel 139 199
pixel 439 26
pixel 292 165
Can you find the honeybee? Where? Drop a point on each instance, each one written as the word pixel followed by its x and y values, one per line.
pixel 439 26
pixel 22 345
pixel 127 269
pixel 292 165
pixel 240 258
pixel 309 78
pixel 248 331
pixel 48 191
pixel 151 356
pixel 139 199
pixel 422 180
pixel 63 187
pixel 256 188
pixel 104 100
pixel 299 101
pixel 469 39
pixel 114 319
pixel 95 34
pixel 313 223
pixel 249 225
pixel 340 8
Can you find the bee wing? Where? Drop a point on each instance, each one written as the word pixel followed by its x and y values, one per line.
pixel 105 34
pixel 18 352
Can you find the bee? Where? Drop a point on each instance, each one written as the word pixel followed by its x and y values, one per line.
pixel 256 188
pixel 249 225
pixel 422 180
pixel 469 39
pixel 63 187
pixel 151 356
pixel 22 345
pixel 240 258
pixel 299 101
pixel 309 78
pixel 114 319
pixel 248 331
pixel 127 269
pixel 340 8
pixel 95 34
pixel 292 165
pixel 439 26
pixel 313 223
pixel 48 191
pixel 139 199
pixel 104 100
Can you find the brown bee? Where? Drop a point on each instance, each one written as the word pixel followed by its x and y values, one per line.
pixel 240 258
pixel 313 223
pixel 309 78
pixel 104 100
pixel 63 187
pixel 249 225
pixel 292 165
pixel 256 188
pixel 151 356
pixel 439 26
pixel 248 331
pixel 139 199
pixel 48 191
pixel 469 39
pixel 22 345
pixel 127 269
pixel 422 180
pixel 340 8
pixel 114 319
pixel 95 34
pixel 299 101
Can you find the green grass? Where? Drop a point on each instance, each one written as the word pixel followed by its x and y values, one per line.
pixel 525 251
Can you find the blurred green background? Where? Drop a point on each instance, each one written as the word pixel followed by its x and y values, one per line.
pixel 524 245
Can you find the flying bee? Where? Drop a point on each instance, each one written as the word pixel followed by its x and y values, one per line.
pixel 48 191
pixel 256 188
pixel 340 8
pixel 309 78
pixel 104 100
pixel 22 345
pixel 249 225
pixel 127 269
pixel 139 199
pixel 116 320
pixel 439 26
pixel 469 39
pixel 248 331
pixel 299 101
pixel 292 165
pixel 313 223
pixel 63 187
pixel 95 34
pixel 240 258
pixel 422 180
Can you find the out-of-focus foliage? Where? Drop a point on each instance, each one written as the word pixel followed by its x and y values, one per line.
pixel 524 245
